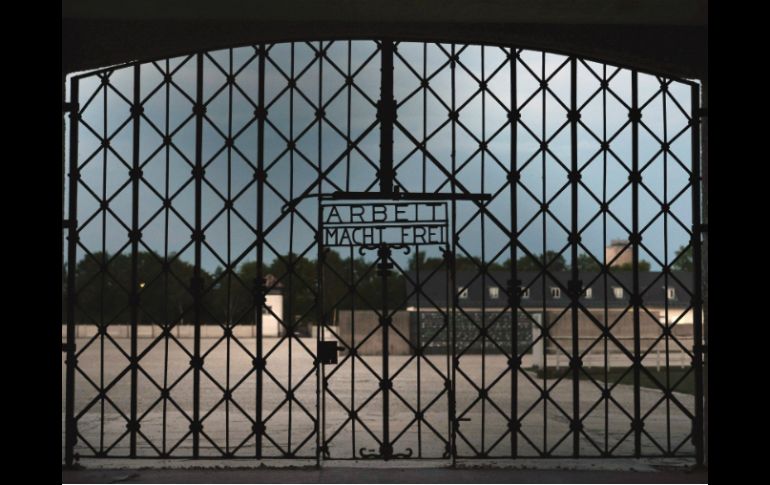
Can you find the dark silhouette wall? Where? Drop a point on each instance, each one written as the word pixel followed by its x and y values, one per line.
pixel 664 36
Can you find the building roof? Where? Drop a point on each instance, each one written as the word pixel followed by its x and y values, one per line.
pixel 274 287
pixel 652 286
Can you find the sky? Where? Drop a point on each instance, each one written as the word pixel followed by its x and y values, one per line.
pixel 422 113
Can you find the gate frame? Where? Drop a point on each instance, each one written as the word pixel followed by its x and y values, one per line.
pixel 699 245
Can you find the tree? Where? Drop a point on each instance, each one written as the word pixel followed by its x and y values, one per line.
pixel 552 260
pixel 99 295
pixel 683 259
pixel 103 286
pixel 424 262
pixel 588 263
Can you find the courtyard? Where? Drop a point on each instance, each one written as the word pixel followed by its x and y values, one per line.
pixel 228 424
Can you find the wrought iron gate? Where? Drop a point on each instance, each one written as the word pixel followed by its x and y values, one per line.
pixel 196 317
pixel 379 323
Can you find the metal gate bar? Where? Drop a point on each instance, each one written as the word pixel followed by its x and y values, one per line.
pixel 259 284
pixel 197 283
pixel 635 115
pixel 697 273
pixel 69 419
pixel 575 286
pixel 514 284
pixel 134 302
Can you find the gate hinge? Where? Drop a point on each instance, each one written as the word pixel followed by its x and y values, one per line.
pixel 65 347
pixel 66 224
pixel 701 228
pixel 69 107
pixel 702 112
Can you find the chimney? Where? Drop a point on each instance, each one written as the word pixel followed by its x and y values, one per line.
pixel 615 248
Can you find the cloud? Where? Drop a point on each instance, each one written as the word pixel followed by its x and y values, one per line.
pixel 290 113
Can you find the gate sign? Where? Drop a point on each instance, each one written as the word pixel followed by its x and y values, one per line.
pixel 371 223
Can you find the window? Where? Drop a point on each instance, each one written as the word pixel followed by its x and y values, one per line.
pixel 589 293
pixel 617 292
pixel 671 294
pixel 463 293
pixel 494 292
pixel 555 292
pixel 525 293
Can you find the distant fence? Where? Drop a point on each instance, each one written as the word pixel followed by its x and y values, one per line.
pixel 654 352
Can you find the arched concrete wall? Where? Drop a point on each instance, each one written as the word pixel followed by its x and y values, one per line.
pixel 664 36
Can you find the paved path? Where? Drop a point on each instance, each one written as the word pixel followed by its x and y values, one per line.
pixel 228 425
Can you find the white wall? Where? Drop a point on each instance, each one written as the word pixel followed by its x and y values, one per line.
pixel 270 325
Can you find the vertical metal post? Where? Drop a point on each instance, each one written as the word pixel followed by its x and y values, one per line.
pixel 384 254
pixel 386 114
pixel 288 317
pixel 453 275
pixel 320 370
pixel 545 332
pixel 704 163
pixel 448 346
pixel 62 387
pixel 134 293
pixel 666 279
pixel 167 324
pixel 418 314
pixel 575 284
pixel 635 115
pixel 697 269
pixel 605 276
pixel 70 426
pixel 318 228
pixel 198 236
pixel 260 281
pixel 482 229
pixel 352 267
pixel 229 293
pixel 514 286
